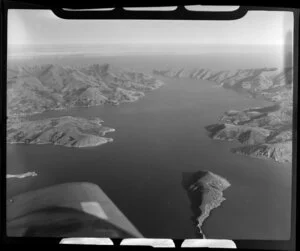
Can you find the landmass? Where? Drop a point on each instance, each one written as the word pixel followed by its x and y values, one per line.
pixel 265 132
pixel 205 191
pixel 65 131
pixel 36 89
pixel 21 176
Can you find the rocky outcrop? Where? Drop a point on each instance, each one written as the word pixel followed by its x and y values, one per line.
pixel 205 191
pixel 65 131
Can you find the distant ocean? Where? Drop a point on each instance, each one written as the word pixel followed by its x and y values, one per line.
pixel 157 139
pixel 152 56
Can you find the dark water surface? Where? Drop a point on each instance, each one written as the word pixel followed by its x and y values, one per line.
pixel 157 139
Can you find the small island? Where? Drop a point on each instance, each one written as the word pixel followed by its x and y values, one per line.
pixel 205 191
pixel 64 131
pixel 21 176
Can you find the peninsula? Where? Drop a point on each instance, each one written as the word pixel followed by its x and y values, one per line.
pixel 65 131
pixel 264 132
pixel 205 191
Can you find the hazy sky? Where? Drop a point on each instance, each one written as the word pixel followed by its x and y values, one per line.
pixel 43 27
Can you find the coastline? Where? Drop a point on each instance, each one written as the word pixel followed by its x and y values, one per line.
pixel 52 87
pixel 108 140
pixel 272 85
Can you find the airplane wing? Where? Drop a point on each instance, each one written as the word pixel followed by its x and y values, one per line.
pixel 67 210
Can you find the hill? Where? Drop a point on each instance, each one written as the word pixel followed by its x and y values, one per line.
pixel 35 89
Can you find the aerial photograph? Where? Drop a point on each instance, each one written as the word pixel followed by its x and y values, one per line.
pixel 149 128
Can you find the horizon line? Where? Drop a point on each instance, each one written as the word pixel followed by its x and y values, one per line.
pixel 148 43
